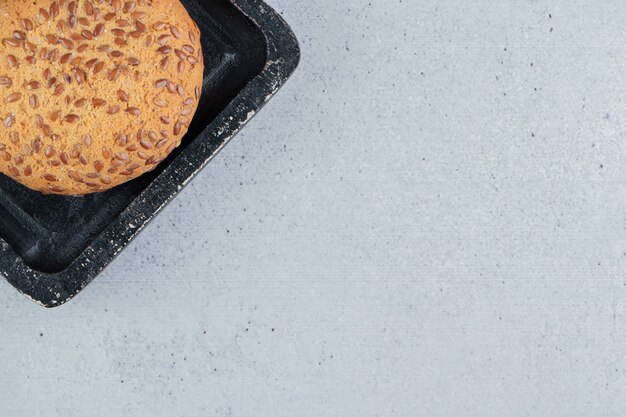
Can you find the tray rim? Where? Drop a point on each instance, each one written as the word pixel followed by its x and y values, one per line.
pixel 55 289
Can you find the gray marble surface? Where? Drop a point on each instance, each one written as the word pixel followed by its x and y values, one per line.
pixel 428 220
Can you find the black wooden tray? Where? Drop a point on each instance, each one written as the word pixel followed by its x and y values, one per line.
pixel 51 247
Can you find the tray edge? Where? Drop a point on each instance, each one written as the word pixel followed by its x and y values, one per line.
pixel 283 57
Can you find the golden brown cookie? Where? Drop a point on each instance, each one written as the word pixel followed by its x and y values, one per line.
pixel 94 93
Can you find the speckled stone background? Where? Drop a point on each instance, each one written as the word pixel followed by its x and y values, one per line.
pixel 428 220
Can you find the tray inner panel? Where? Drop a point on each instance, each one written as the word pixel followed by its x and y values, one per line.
pixel 49 232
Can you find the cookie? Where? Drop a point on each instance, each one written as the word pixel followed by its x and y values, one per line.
pixel 94 93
